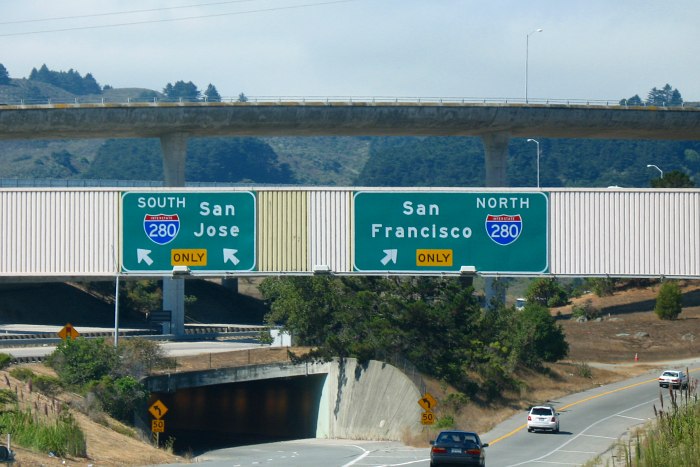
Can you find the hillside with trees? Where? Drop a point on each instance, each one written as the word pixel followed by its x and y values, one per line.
pixel 334 161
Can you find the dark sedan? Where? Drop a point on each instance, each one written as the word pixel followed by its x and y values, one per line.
pixel 457 448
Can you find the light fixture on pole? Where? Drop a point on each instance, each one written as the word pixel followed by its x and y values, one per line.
pixel 530 140
pixel 660 171
pixel 527 57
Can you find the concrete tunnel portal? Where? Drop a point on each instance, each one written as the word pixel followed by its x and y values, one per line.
pixel 227 407
pixel 230 414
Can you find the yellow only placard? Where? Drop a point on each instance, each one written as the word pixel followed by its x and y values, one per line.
pixel 188 257
pixel 434 257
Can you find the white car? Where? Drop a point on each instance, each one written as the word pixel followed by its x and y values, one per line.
pixel 677 379
pixel 543 417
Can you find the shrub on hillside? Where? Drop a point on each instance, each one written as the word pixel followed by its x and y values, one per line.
pixel 138 357
pixel 585 310
pixel 668 301
pixel 546 292
pixel 5 360
pixel 79 361
pixel 120 397
pixel 601 286
pixel 63 436
pixel 48 385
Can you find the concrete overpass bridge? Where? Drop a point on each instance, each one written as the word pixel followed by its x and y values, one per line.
pixel 495 123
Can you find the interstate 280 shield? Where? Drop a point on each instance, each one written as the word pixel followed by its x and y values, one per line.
pixel 161 228
pixel 504 229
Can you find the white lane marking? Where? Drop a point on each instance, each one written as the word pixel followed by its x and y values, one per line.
pixel 598 436
pixel 360 457
pixel 578 452
pixel 539 459
pixel 555 463
pixel 634 418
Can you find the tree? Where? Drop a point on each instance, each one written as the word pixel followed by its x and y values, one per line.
pixel 538 338
pixel 70 80
pixel 79 361
pixel 669 301
pixel 634 100
pixel 181 90
pixel 4 75
pixel 667 96
pixel 673 179
pixel 212 94
pixel 546 293
pixel 143 296
pixel 138 357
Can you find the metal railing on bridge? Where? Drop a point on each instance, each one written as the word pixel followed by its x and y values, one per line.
pixel 333 100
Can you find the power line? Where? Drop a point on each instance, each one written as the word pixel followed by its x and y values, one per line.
pixel 185 18
pixel 115 13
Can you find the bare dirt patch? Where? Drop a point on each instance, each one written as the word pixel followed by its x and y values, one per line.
pixel 628 326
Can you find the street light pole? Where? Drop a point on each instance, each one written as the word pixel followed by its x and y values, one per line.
pixel 530 140
pixel 527 57
pixel 660 171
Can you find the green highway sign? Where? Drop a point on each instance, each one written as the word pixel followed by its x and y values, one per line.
pixel 435 232
pixel 202 231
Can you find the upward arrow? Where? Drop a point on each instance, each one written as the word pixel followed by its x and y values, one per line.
pixel 391 255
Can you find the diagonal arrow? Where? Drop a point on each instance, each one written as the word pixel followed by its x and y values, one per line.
pixel 142 255
pixel 230 255
pixel 391 255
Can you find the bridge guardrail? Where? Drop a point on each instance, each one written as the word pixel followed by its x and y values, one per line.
pixel 327 100
pixel 195 333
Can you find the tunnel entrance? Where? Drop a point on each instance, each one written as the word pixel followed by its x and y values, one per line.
pixel 234 414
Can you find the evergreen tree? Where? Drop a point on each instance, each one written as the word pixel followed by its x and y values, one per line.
pixel 181 90
pixel 667 96
pixel 70 80
pixel 42 74
pixel 212 94
pixel 4 75
pixel 673 179
pixel 669 301
pixel 546 293
pixel 632 101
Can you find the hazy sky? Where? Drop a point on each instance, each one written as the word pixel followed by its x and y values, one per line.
pixel 588 49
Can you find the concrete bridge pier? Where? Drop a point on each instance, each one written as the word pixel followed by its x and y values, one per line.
pixel 496 162
pixel 174 147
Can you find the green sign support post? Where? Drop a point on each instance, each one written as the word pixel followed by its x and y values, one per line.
pixel 208 232
pixel 434 232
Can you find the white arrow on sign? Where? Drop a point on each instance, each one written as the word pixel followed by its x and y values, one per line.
pixel 230 255
pixel 142 255
pixel 391 255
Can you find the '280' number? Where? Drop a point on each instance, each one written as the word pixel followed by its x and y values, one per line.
pixel 505 230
